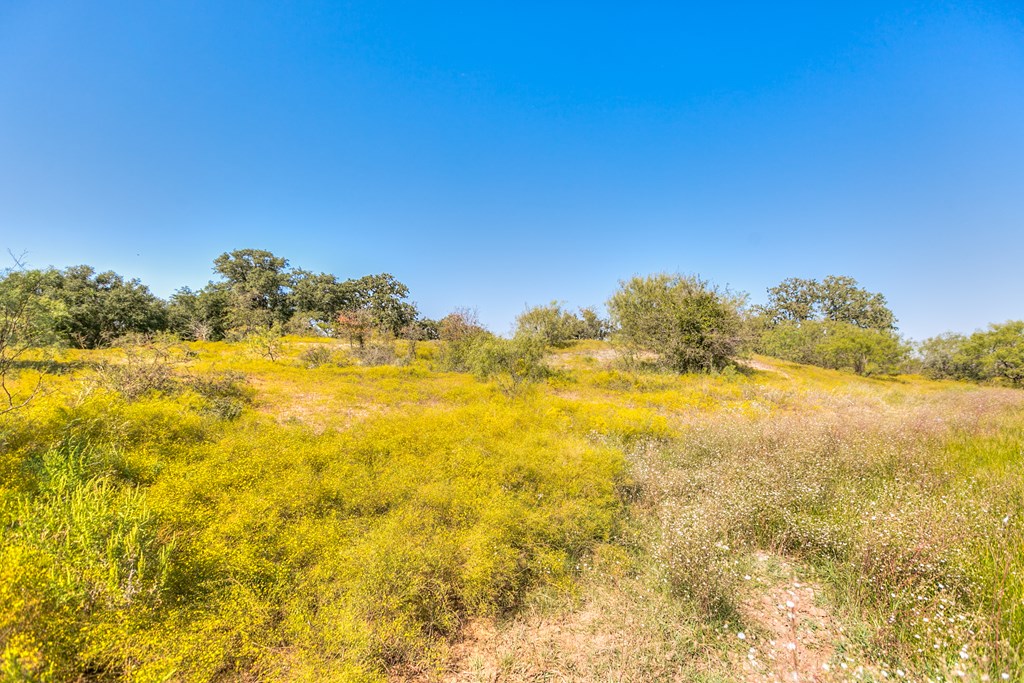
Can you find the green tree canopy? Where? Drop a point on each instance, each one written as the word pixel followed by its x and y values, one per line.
pixel 836 345
pixel 27 321
pixel 998 352
pixel 551 324
pixel 834 323
pixel 200 315
pixel 384 297
pixel 837 298
pixel 320 295
pixel 943 356
pixel 557 326
pixel 96 308
pixel 258 284
pixel 995 354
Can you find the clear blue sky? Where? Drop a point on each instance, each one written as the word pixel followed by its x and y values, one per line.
pixel 502 154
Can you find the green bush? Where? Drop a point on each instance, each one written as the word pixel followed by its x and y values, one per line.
pixel 511 363
pixel 998 352
pixel 77 554
pixel 265 341
pixel 689 323
pixel 555 326
pixel 459 332
pixel 836 345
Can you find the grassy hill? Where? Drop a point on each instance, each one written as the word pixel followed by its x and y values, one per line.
pixel 200 512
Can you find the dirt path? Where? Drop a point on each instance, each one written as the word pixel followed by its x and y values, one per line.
pixel 793 636
pixel 620 631
pixel 624 630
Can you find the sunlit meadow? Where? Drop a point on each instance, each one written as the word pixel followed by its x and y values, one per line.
pixel 218 512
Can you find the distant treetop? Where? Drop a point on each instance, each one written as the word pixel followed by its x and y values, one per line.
pixel 836 298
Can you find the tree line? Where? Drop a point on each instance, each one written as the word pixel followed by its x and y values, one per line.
pixel 687 324
pixel 255 290
pixel 678 322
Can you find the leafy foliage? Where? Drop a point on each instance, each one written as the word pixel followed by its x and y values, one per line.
pixel 836 298
pixel 26 322
pixel 77 553
pixel 687 321
pixel 384 299
pixel 995 354
pixel 836 345
pixel 96 308
pixel 356 324
pixel 557 327
pixel 320 296
pixel 459 331
pixel 512 363
pixel 162 517
pixel 833 323
pixel 348 522
pixel 257 281
pixel 200 315
pixel 999 352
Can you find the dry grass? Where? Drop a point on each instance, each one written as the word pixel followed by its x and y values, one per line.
pixel 833 522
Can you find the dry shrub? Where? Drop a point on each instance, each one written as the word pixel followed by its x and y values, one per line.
pixel 376 354
pixel 226 393
pixel 316 356
pixel 148 364
pixel 696 559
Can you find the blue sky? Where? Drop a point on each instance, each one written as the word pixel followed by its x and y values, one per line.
pixel 495 155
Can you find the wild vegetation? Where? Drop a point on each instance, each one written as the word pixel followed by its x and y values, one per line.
pixel 834 323
pixel 993 355
pixel 385 497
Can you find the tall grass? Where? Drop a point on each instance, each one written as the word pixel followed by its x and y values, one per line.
pixel 911 509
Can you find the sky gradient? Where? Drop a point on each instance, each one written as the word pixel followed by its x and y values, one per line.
pixel 498 155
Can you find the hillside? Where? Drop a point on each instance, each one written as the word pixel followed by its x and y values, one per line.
pixel 216 511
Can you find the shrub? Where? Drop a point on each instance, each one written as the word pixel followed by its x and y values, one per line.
pixel 511 363
pixel 688 322
pixel 592 325
pixel 376 354
pixel 316 356
pixel 995 354
pixel 76 555
pixel 265 342
pixel 551 324
pixel 226 393
pixel 557 327
pixel 26 322
pixel 459 332
pixel 356 324
pixel 998 352
pixel 941 357
pixel 836 345
pixel 148 364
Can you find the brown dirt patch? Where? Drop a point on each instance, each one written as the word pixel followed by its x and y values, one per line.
pixel 793 637
pixel 755 364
